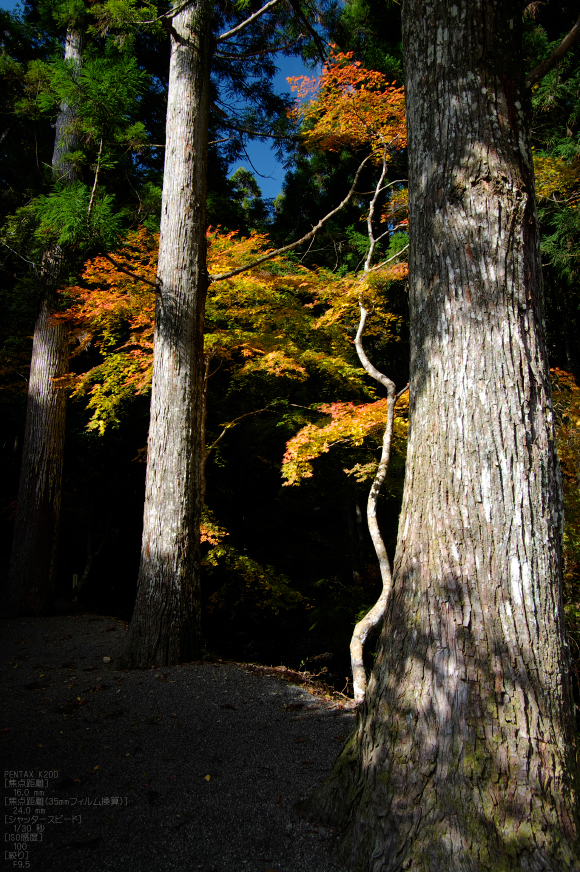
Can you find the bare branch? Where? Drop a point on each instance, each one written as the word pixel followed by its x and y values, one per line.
pixel 264 135
pixel 242 26
pixel 293 245
pixel 390 185
pixel 21 256
pixel 404 391
pixel 231 424
pixel 378 611
pixel 389 259
pixel 368 366
pixel 549 63
pixel 96 180
pixel 371 214
pixel 125 268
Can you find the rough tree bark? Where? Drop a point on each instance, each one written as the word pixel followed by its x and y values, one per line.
pixel 32 572
pixel 165 627
pixel 463 757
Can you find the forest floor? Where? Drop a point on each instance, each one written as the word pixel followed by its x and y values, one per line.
pixel 195 768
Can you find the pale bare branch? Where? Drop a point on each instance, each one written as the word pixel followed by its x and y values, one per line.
pixel 389 259
pixel 372 618
pixel 242 26
pixel 293 245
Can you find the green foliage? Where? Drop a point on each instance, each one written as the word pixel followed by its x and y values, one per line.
pixel 556 139
pixel 567 411
pixel 9 68
pixel 64 219
pixel 68 13
pixel 103 94
pixel 150 206
pixel 372 30
pixel 120 17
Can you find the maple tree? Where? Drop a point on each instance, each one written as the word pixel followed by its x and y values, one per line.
pixel 355 107
pixel 263 326
pixel 348 105
pixel 259 322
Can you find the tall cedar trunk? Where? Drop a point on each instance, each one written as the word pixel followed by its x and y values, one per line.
pixel 165 627
pixel 32 573
pixel 463 757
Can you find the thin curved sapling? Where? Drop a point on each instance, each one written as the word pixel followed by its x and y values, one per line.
pixel 354 107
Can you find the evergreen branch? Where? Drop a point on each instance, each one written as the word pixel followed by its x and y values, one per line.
pixel 239 129
pixel 549 63
pixel 293 245
pixel 295 4
pixel 170 14
pixel 253 54
pixel 229 123
pixel 242 26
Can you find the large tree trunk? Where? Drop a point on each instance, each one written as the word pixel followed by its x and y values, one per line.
pixel 464 758
pixel 165 627
pixel 32 573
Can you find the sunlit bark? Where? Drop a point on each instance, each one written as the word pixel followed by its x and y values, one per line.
pixel 463 757
pixel 165 627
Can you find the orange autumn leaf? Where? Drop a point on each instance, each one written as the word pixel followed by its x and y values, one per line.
pixel 350 423
pixel 348 105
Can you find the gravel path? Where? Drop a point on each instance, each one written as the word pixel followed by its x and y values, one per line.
pixel 195 768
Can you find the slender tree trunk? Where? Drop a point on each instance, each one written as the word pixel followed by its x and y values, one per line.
pixel 377 613
pixel 165 627
pixel 463 758
pixel 32 573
